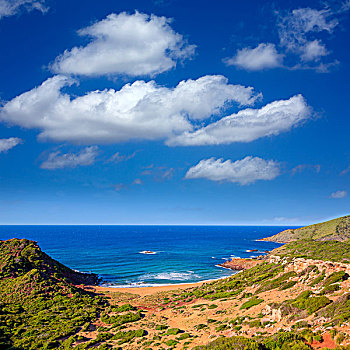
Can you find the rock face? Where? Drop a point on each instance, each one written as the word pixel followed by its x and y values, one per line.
pixel 333 230
pixel 19 256
pixel 240 264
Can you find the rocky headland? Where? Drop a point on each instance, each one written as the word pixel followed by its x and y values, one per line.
pixel 240 264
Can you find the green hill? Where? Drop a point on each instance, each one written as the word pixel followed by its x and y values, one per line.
pixel 40 303
pixel 332 230
pixel 20 256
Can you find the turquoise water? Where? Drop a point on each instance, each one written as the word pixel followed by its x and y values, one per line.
pixel 183 254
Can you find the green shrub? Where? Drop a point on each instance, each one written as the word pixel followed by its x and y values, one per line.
pixel 330 289
pixel 232 343
pixel 200 326
pixel 123 308
pixel 277 282
pixel 318 279
pixel 173 331
pixel 288 285
pixel 222 327
pixel 127 336
pixel 255 323
pixel 171 342
pixel 251 302
pixel 183 336
pixel 161 327
pixel 340 337
pixel 121 319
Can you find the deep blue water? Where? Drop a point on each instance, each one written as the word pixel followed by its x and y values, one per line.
pixel 183 253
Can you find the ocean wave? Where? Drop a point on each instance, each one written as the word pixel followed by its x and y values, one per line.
pixel 172 276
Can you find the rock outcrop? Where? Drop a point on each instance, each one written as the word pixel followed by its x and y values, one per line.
pixel 239 264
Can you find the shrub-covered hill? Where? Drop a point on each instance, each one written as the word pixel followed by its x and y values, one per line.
pixel 39 302
pixel 333 230
pixel 19 256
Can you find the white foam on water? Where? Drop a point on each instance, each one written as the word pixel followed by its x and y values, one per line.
pixel 171 276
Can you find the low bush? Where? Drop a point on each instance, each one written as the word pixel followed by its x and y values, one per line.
pixel 161 327
pixel 173 331
pixel 251 302
pixel 127 336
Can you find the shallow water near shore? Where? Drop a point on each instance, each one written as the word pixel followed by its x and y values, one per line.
pixel 148 255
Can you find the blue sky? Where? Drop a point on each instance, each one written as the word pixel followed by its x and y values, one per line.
pixel 174 112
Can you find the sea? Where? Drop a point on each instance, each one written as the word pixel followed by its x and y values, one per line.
pixel 121 256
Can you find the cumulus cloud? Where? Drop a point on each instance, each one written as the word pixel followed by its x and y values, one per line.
pixel 12 7
pixel 244 171
pixel 249 124
pixel 264 56
pixel 137 111
pixel 339 194
pixel 7 144
pixel 125 44
pixel 58 160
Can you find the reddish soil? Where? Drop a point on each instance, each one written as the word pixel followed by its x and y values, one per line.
pixel 328 342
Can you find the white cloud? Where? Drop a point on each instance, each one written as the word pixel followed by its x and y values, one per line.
pixel 249 124
pixel 57 160
pixel 12 7
pixel 313 51
pixel 302 167
pixel 159 173
pixel 298 28
pixel 137 111
pixel 300 32
pixel 244 171
pixel 339 194
pixel 125 44
pixel 117 157
pixel 7 144
pixel 263 56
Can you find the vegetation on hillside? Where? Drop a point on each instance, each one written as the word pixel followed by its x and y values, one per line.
pixel 43 305
pixel 326 250
pixel 280 341
pixel 40 307
pixel 332 230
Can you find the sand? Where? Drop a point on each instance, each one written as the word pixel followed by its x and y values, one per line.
pixel 143 291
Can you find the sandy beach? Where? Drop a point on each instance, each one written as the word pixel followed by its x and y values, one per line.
pixel 143 291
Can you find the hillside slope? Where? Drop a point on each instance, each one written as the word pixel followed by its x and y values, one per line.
pixel 40 301
pixel 283 302
pixel 332 230
pixel 19 256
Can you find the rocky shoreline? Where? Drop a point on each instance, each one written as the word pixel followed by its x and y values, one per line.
pixel 240 264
